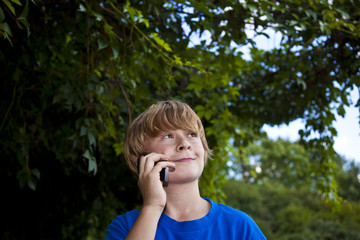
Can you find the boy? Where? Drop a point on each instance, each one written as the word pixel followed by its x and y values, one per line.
pixel 170 134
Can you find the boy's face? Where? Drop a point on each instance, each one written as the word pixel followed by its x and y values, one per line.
pixel 182 147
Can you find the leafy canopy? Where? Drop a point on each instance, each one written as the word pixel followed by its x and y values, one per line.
pixel 74 73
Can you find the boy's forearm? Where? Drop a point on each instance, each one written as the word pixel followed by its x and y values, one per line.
pixel 146 224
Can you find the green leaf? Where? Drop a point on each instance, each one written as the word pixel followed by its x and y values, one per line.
pixel 119 148
pixel 36 173
pixel 91 138
pixel 10 6
pixel 208 114
pixel 161 42
pixel 130 10
pixel 16 2
pixel 67 39
pixel 144 20
pixel 110 125
pixel 177 60
pixel 87 154
pixel 2 16
pixel 98 17
pixel 302 83
pixel 31 185
pixel 341 110
pixel 101 44
pixel 200 110
pixel 108 29
pixel 293 23
pixel 192 86
pixel 7 30
pixel 311 13
pixel 92 165
pixel 99 89
pixel 83 131
pixel 115 52
pixel 82 8
pixel 295 16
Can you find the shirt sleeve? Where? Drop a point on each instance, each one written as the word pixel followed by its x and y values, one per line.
pixel 121 225
pixel 116 230
pixel 252 231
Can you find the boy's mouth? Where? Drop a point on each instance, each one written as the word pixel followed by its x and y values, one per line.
pixel 184 160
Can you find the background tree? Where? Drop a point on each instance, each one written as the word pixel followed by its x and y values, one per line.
pixel 293 209
pixel 277 161
pixel 75 73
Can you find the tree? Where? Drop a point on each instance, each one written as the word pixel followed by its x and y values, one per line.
pixel 285 212
pixel 348 179
pixel 279 161
pixel 76 72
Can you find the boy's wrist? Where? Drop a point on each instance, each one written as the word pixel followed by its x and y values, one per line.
pixel 153 210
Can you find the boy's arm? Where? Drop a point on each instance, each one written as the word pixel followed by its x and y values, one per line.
pixel 146 224
pixel 154 196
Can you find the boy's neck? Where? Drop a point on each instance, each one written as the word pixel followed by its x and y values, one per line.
pixel 184 203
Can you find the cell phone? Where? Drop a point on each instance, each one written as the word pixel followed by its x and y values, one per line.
pixel 164 174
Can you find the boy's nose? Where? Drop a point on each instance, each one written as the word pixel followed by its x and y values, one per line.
pixel 183 145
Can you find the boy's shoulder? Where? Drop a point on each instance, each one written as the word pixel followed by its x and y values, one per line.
pixel 121 225
pixel 234 220
pixel 127 219
pixel 129 216
pixel 230 212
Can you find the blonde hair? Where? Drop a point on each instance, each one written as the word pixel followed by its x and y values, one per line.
pixel 161 117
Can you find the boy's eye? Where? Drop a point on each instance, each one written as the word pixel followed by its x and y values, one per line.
pixel 193 134
pixel 169 135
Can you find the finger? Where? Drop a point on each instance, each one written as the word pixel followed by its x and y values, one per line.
pixel 151 160
pixel 163 164
pixel 160 172
pixel 141 166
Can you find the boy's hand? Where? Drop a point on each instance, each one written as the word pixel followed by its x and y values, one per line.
pixel 150 185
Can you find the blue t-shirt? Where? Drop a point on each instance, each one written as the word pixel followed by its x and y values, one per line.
pixel 222 222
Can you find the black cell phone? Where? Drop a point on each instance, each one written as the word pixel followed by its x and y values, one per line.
pixel 164 174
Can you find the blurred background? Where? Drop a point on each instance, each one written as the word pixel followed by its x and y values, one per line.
pixel 276 84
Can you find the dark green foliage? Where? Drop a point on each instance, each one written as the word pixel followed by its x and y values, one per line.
pixel 74 73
